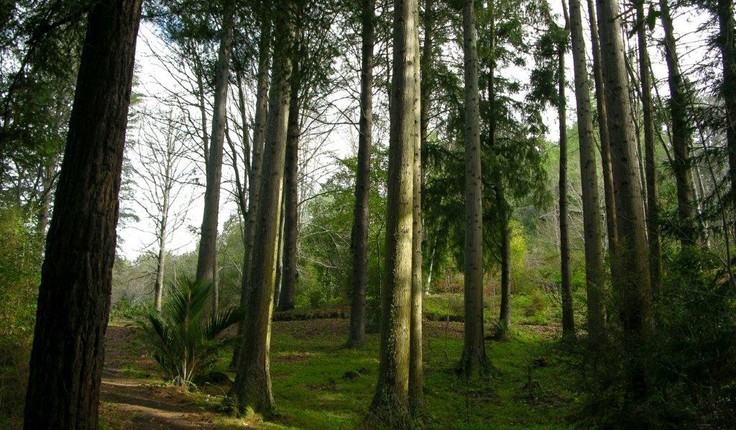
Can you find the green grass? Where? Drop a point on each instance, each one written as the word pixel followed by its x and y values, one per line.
pixel 320 384
pixel 441 305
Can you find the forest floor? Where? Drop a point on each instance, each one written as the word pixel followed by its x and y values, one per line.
pixel 319 384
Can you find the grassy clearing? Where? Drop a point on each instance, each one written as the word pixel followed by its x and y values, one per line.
pixel 320 384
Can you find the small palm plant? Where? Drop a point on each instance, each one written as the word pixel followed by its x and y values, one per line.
pixel 184 340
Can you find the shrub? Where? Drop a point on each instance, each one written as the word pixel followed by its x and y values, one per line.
pixel 184 341
pixel 20 275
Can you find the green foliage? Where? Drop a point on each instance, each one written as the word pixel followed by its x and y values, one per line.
pixel 513 150
pixel 184 340
pixel 326 259
pixel 690 362
pixel 20 263
pixel 444 306
pixel 695 347
pixel 20 275
pixel 127 308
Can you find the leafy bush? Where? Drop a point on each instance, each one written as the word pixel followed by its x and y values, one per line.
pixel 184 341
pixel 694 353
pixel 691 361
pixel 127 308
pixel 20 275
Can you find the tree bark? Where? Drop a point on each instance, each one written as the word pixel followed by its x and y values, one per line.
pixel 474 362
pixel 287 295
pixel 74 295
pixel 259 133
pixel 681 137
pixel 727 43
pixel 631 260
pixel 568 317
pixel 162 234
pixel 592 228
pixel 252 386
pixel 207 257
pixel 390 406
pixel 503 215
pixel 600 97
pixel 359 234
pixel 505 236
pixel 416 375
pixel 652 186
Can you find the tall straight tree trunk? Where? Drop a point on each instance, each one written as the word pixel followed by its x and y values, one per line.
pixel 631 259
pixel 252 387
pixel 416 368
pixel 287 295
pixel 259 137
pixel 359 234
pixel 74 295
pixel 427 57
pixel 681 137
pixel 727 43
pixel 592 228
pixel 241 185
pixel 568 317
pixel 655 248
pixel 600 97
pixel 474 362
pixel 158 287
pixel 390 407
pixel 505 236
pixel 503 215
pixel 207 257
pixel 169 160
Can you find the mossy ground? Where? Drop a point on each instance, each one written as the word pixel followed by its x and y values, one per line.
pixel 320 384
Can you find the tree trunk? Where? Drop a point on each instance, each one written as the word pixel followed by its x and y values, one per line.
pixel 568 317
pixel 416 375
pixel 162 233
pixel 259 133
pixel 241 186
pixel 252 386
pixel 655 248
pixel 594 272
pixel 359 236
pixel 74 295
pixel 600 97
pixel 631 259
pixel 287 295
pixel 503 215
pixel 505 236
pixel 390 406
pixel 48 182
pixel 681 137
pixel 207 257
pixel 474 362
pixel 727 44
pixel 427 57
pixel 158 288
pixel 416 367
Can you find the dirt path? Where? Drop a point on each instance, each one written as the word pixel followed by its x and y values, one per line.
pixel 132 394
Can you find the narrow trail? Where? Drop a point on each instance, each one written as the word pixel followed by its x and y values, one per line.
pixel 132 396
